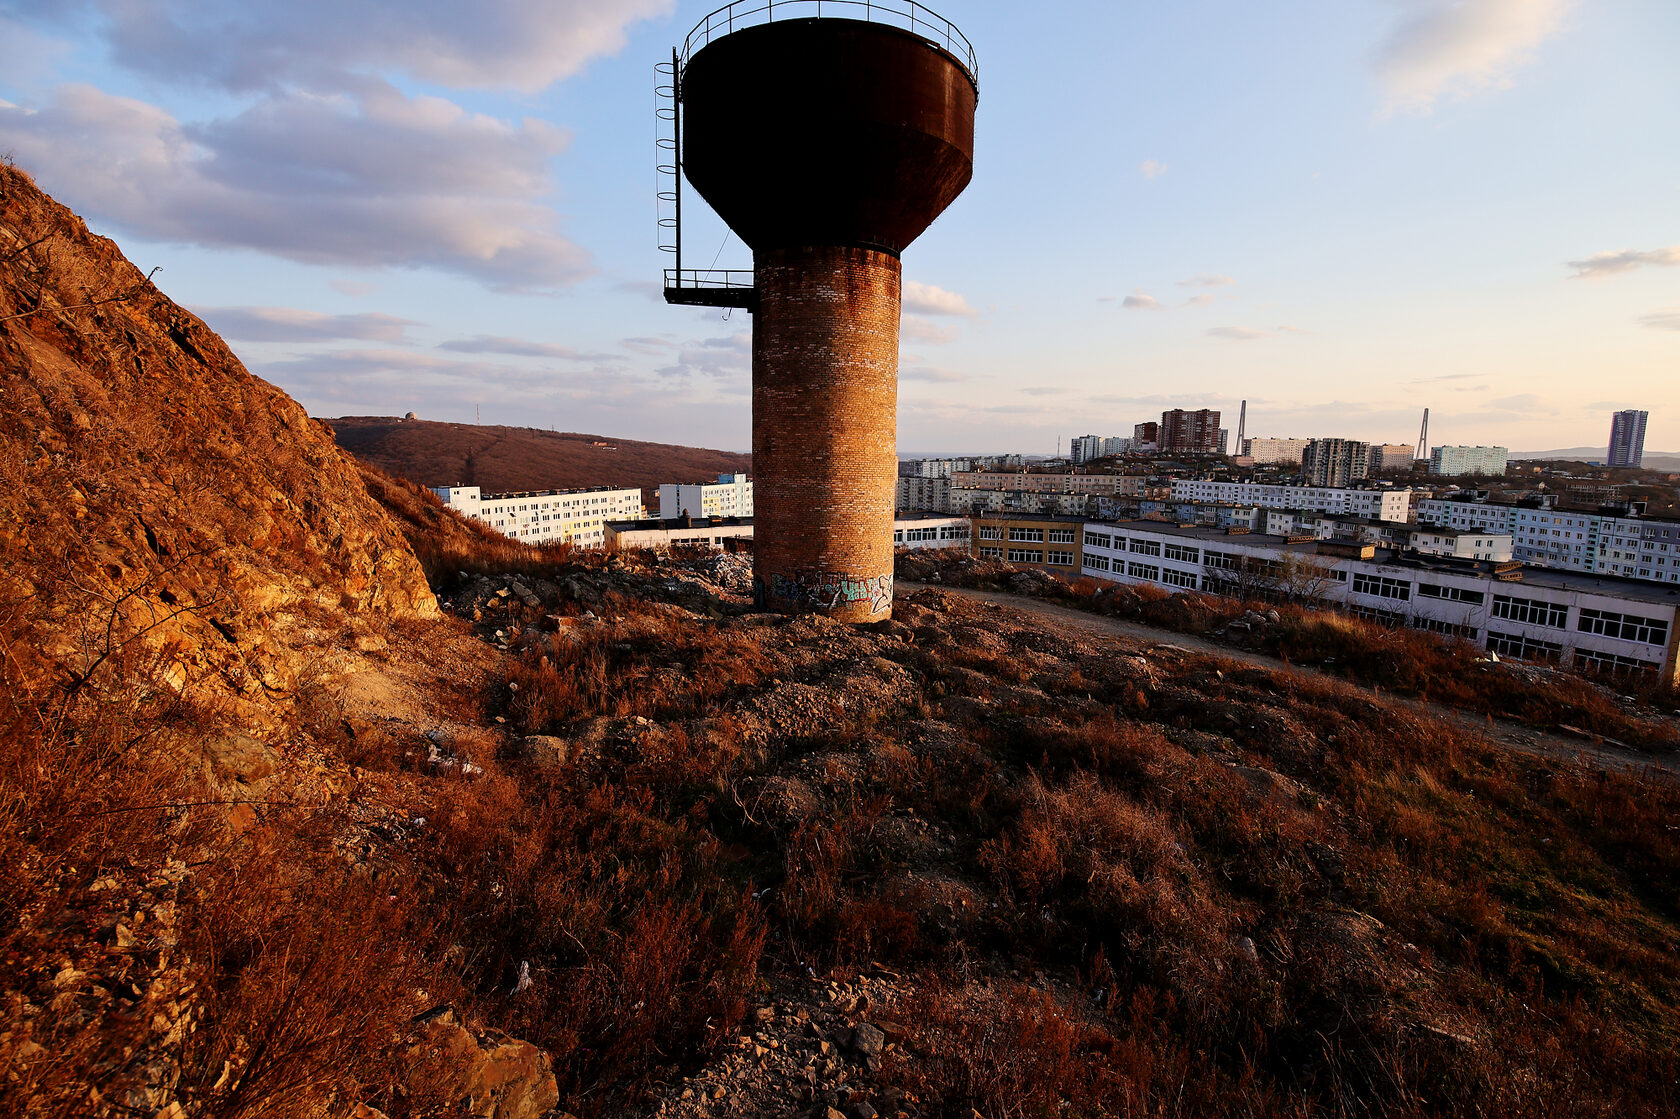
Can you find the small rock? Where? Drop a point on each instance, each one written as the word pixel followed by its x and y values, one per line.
pixel 868 1040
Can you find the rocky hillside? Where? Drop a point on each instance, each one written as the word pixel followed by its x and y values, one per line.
pixel 502 459
pixel 156 500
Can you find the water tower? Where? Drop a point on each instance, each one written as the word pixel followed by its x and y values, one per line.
pixel 828 134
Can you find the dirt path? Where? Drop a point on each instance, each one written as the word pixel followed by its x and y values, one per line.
pixel 1513 735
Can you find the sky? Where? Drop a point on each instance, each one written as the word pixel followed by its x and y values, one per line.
pixel 1342 211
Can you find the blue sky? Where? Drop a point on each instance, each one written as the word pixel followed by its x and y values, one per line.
pixel 1340 210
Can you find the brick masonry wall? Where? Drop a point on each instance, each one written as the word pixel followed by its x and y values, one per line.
pixel 825 414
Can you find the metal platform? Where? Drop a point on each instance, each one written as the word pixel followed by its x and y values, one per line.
pixel 711 287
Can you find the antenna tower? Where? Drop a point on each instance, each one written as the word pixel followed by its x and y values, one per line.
pixel 1242 425
pixel 1423 437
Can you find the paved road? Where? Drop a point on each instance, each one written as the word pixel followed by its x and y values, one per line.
pixel 1514 735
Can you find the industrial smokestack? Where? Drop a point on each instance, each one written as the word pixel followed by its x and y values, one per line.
pixel 827 145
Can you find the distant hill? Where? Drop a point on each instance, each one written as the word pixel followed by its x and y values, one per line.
pixel 503 459
pixel 1653 460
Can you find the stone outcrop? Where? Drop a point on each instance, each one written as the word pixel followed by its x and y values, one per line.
pixel 161 509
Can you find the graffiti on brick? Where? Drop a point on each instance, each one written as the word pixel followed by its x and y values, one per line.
pixel 830 590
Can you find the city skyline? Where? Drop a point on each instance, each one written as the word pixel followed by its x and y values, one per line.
pixel 1339 212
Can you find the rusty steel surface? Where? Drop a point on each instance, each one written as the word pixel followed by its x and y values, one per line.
pixel 827 131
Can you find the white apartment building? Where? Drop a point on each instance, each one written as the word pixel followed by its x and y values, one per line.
pixel 1454 461
pixel 1391 456
pixel 730 496
pixel 1065 482
pixel 1376 505
pixel 1624 544
pixel 1434 540
pixel 1270 450
pixel 1561 617
pixel 572 516
pixel 661 535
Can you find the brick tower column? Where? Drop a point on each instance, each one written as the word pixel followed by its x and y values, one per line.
pixel 825 419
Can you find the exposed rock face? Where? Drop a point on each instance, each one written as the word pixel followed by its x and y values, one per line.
pixel 156 497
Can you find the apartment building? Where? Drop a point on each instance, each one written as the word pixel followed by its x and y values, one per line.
pixel 1020 480
pixel 973 501
pixel 730 496
pixel 1591 622
pixel 1627 438
pixel 1387 457
pixel 1379 505
pixel 1436 540
pixel 1624 543
pixel 1335 462
pixel 716 532
pixel 550 516
pixel 1185 432
pixel 917 491
pixel 1457 461
pixel 1050 543
pixel 1271 451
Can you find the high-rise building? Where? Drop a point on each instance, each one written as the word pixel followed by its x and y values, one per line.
pixel 1391 456
pixel 1193 433
pixel 1085 448
pixel 1336 462
pixel 1116 445
pixel 730 496
pixel 1458 461
pixel 1627 438
pixel 1224 440
pixel 1146 433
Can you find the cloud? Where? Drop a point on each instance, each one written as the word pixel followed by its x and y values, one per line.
pixel 521 347
pixel 1202 300
pixel 1152 168
pixel 1044 390
pixel 1236 333
pixel 1600 265
pixel 1206 280
pixel 1526 403
pixel 265 44
pixel 1457 46
pixel 925 299
pixel 289 324
pixel 725 358
pixel 931 373
pixel 1662 320
pixel 917 329
pixel 376 179
pixel 1287 329
pixel 1138 301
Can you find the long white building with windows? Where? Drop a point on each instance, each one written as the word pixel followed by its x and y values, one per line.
pixel 1376 505
pixel 550 516
pixel 730 496
pixel 1610 543
pixel 1609 624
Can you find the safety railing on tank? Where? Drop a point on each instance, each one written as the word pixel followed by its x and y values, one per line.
pixel 898 13
pixel 711 287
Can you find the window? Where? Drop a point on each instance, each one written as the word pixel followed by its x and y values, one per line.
pixel 1530 610
pixel 1451 594
pixel 991 532
pixel 1059 559
pixel 1178 578
pixel 1381 586
pixel 1061 536
pixel 1182 554
pixel 1143 571
pixel 1610 662
pixel 1096 563
pixel 1025 555
pixel 1525 648
pixel 1098 540
pixel 1146 547
pixel 1447 628
pixel 991 553
pixel 1394 619
pixel 1628 627
pixel 1226 560
pixel 1027 535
